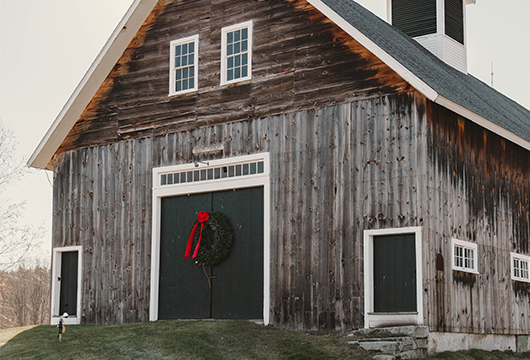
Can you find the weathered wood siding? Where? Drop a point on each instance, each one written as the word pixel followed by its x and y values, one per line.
pixel 300 61
pixel 478 190
pixel 335 171
pixel 101 197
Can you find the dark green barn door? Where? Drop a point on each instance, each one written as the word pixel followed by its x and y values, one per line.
pixel 68 293
pixel 236 283
pixel 395 273
pixel 180 295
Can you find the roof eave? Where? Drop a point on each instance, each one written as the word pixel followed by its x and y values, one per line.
pixel 413 80
pixel 91 82
pixel 485 123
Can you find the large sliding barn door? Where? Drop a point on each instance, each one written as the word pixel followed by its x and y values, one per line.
pixel 236 283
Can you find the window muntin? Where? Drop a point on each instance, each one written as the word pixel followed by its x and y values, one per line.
pixel 212 173
pixel 464 256
pixel 184 56
pixel 519 267
pixel 236 53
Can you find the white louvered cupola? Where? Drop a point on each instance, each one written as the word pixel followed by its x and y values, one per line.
pixel 439 25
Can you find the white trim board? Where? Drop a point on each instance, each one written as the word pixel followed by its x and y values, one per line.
pixel 159 192
pixel 56 285
pixel 375 320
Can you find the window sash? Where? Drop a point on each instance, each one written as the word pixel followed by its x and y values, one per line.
pixel 184 56
pixel 520 267
pixel 464 256
pixel 236 62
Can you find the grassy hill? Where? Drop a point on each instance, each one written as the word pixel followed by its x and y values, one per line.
pixel 194 340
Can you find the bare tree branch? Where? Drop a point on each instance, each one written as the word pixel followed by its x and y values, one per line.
pixel 16 240
pixel 25 295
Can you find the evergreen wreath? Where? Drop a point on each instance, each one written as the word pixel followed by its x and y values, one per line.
pixel 224 239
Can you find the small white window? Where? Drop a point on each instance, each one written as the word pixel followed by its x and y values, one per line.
pixel 465 256
pixel 236 53
pixel 184 58
pixel 520 267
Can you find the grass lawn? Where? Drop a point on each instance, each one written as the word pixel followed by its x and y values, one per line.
pixel 195 340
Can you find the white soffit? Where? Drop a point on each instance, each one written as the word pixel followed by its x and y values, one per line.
pixel 91 82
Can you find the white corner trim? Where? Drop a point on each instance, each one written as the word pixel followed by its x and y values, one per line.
pixel 91 82
pixel 402 71
pixel 389 11
pixel 208 186
pixel 56 286
pixel 477 119
pixel 374 319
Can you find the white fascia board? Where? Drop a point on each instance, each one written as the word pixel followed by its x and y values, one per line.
pixel 91 82
pixel 395 65
pixel 485 123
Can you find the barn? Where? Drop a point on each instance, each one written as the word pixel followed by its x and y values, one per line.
pixel 366 178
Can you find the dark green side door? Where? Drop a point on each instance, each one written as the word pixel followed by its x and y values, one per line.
pixel 68 293
pixel 395 273
pixel 236 283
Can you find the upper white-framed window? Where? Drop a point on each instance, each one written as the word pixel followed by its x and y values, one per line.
pixel 183 65
pixel 465 255
pixel 236 53
pixel 520 267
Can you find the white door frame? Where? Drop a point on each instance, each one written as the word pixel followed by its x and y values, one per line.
pixel 372 319
pixel 237 182
pixel 56 285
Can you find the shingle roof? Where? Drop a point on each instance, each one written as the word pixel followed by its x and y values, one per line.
pixel 464 90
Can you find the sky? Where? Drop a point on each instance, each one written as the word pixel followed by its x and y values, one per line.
pixel 46 46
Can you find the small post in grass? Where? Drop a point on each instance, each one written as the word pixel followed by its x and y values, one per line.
pixel 61 326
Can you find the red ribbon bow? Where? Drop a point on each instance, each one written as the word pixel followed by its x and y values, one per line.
pixel 202 218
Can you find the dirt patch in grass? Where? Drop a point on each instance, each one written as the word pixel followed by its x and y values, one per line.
pixel 8 334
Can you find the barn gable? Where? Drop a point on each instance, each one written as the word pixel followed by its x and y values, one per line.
pixel 300 61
